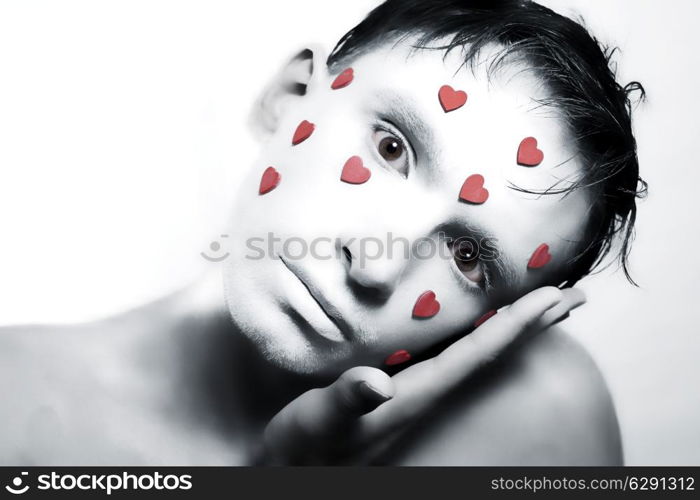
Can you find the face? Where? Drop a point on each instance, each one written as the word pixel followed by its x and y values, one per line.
pixel 369 211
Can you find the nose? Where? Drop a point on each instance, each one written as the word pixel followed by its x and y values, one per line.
pixel 374 266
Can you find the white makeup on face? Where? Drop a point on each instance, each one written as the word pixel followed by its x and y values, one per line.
pixel 323 315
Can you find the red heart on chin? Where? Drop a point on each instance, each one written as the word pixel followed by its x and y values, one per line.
pixel 540 257
pixel 269 180
pixel 451 99
pixel 528 154
pixel 473 190
pixel 426 305
pixel 303 132
pixel 354 172
pixel 400 356
pixel 343 79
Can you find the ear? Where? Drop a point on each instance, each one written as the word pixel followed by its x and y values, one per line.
pixel 300 75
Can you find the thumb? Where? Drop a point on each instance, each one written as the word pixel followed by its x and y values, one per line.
pixel 311 424
pixel 356 392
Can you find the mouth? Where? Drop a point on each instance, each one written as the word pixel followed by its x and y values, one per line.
pixel 330 311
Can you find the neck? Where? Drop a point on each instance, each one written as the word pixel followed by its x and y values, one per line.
pixel 232 379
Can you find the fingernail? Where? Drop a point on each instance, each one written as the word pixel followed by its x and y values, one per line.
pixel 370 392
pixel 556 302
pixel 561 318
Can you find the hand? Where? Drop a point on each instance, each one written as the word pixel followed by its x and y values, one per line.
pixel 365 406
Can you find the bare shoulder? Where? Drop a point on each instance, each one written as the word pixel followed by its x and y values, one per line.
pixel 580 414
pixel 48 381
pixel 62 388
pixel 113 391
pixel 545 403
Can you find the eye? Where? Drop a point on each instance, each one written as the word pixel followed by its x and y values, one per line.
pixel 465 252
pixel 393 150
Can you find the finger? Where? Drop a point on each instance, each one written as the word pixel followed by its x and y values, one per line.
pixel 571 299
pixel 357 391
pixel 309 424
pixel 418 386
pixel 486 342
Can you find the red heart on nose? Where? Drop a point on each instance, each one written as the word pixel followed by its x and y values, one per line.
pixel 269 180
pixel 540 257
pixel 343 79
pixel 528 154
pixel 303 131
pixel 400 356
pixel 354 172
pixel 451 99
pixel 426 305
pixel 485 318
pixel 473 190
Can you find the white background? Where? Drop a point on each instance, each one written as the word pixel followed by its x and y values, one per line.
pixel 122 135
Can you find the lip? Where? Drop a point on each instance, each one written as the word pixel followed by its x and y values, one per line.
pixel 328 309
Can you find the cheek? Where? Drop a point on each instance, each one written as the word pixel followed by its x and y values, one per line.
pixel 549 238
pixel 394 326
pixel 330 183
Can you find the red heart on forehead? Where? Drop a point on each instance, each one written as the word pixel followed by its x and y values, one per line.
pixel 303 132
pixel 451 99
pixel 473 190
pixel 426 305
pixel 400 356
pixel 354 172
pixel 269 180
pixel 343 79
pixel 485 318
pixel 528 154
pixel 540 257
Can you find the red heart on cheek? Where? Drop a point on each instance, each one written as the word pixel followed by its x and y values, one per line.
pixel 343 79
pixel 473 190
pixel 354 172
pixel 400 356
pixel 485 318
pixel 528 154
pixel 426 305
pixel 269 180
pixel 451 99
pixel 303 132
pixel 540 257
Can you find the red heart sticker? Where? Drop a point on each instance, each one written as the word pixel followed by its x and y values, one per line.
pixel 473 190
pixel 400 356
pixel 269 180
pixel 303 132
pixel 528 154
pixel 426 305
pixel 540 257
pixel 451 99
pixel 485 318
pixel 343 79
pixel 354 172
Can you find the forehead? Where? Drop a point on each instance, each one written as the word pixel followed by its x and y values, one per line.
pixel 503 107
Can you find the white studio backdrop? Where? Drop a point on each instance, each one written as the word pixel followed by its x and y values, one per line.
pixel 123 134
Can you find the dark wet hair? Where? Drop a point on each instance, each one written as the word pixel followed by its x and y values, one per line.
pixel 579 74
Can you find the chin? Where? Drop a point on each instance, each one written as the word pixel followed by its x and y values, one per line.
pixel 283 346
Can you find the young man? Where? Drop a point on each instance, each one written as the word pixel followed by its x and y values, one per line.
pixel 492 133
